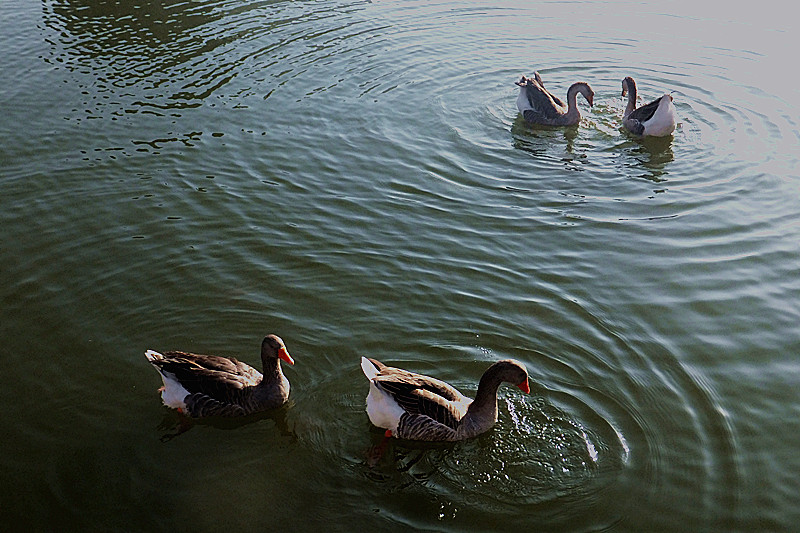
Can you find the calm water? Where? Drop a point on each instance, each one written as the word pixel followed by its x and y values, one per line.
pixel 354 177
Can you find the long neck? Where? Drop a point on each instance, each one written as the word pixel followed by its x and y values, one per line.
pixel 631 100
pixel 572 103
pixel 272 391
pixel 271 370
pixel 483 410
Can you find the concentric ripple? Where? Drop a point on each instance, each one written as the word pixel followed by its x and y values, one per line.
pixel 355 177
pixel 537 453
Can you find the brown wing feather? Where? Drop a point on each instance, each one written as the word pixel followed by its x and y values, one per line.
pixel 421 395
pixel 646 112
pixel 220 378
pixel 439 409
pixel 542 102
pixel 538 78
pixel 420 427
pixel 201 405
pixel 402 381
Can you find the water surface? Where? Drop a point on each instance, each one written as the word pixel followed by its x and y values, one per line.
pixel 354 176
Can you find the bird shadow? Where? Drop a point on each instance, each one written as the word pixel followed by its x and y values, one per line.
pixel 174 424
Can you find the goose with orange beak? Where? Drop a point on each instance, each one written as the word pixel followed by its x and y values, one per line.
pixel 417 407
pixel 211 385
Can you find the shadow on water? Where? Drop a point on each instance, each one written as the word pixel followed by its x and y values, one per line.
pixel 648 157
pixel 164 57
pixel 110 28
pixel 151 47
pixel 176 424
pixel 537 139
pixel 547 142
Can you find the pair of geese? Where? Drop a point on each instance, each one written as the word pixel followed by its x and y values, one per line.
pixel 407 405
pixel 539 106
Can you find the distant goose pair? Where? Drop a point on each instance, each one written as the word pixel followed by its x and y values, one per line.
pixel 540 106
pixel 408 405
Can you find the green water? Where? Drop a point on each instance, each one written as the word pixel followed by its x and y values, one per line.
pixel 355 178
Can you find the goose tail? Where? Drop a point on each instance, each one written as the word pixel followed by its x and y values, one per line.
pixel 153 355
pixel 369 368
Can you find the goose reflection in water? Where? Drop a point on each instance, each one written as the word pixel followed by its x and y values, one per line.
pixel 649 157
pixel 548 141
pixel 641 157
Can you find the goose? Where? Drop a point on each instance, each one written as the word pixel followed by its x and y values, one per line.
pixel 656 119
pixel 417 407
pixel 540 106
pixel 210 385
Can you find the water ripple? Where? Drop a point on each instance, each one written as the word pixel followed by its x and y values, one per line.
pixel 355 176
pixel 176 56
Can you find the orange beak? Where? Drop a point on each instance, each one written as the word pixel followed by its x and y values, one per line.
pixel 283 354
pixel 525 387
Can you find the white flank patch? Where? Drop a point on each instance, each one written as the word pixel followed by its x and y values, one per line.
pixel 382 410
pixel 663 121
pixel 173 393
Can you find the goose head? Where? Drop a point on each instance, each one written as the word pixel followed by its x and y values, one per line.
pixel 628 86
pixel 583 88
pixel 515 373
pixel 509 371
pixel 272 349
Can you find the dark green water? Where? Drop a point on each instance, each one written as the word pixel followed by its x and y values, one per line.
pixel 355 178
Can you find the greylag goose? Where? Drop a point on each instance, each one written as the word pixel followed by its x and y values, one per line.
pixel 656 119
pixel 540 106
pixel 210 385
pixel 417 407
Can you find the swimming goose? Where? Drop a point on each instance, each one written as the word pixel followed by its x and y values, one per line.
pixel 656 119
pixel 540 106
pixel 417 407
pixel 210 385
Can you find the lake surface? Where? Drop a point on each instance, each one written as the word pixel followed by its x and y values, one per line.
pixel 355 177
